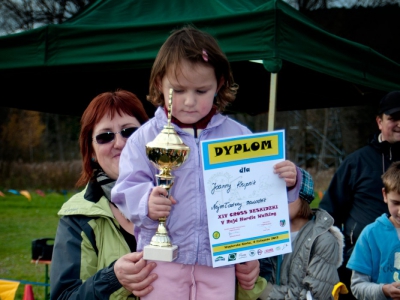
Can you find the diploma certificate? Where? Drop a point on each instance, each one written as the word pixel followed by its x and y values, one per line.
pixel 247 205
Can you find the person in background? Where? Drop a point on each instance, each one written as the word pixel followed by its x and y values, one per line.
pixel 310 270
pixel 354 196
pixel 94 250
pixel 192 64
pixel 375 261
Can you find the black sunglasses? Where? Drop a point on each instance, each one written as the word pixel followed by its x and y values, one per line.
pixel 106 137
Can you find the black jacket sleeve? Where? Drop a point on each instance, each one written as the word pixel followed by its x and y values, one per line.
pixel 66 281
pixel 337 200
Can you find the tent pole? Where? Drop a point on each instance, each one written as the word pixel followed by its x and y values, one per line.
pixel 272 101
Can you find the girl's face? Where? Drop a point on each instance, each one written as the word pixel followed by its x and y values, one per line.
pixel 108 154
pixel 194 87
pixel 294 208
pixel 393 201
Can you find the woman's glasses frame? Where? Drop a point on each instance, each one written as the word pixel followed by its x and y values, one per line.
pixel 108 137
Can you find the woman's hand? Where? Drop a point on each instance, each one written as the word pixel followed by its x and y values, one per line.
pixel 247 273
pixel 134 274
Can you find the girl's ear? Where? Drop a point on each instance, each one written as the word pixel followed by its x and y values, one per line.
pixel 220 83
pixel 158 84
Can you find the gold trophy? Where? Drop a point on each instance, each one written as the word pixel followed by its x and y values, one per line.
pixel 167 152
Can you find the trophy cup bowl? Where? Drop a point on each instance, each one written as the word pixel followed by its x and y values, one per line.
pixel 166 152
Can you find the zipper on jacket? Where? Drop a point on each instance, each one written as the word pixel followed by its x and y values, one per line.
pixel 195 131
pixel 383 163
pixel 351 233
pixel 197 141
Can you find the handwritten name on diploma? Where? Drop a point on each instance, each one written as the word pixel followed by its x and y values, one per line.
pixel 227 187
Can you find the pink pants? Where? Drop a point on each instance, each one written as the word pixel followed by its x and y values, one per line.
pixel 180 282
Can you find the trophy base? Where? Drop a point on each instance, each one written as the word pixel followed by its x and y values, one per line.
pixel 168 254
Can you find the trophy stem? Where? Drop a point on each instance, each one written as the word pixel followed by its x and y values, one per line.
pixel 161 238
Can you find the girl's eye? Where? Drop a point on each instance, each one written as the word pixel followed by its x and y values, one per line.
pixel 202 92
pixel 178 91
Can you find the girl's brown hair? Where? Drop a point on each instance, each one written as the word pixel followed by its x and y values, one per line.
pixel 196 46
pixel 305 210
pixel 120 102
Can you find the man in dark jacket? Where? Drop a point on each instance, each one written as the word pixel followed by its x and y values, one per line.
pixel 354 197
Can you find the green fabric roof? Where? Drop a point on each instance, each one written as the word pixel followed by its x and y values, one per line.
pixel 118 40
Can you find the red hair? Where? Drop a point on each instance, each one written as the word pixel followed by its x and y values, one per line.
pixel 120 102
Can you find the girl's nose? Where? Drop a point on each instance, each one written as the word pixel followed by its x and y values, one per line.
pixel 190 99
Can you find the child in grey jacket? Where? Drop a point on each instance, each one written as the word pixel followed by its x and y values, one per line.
pixel 310 270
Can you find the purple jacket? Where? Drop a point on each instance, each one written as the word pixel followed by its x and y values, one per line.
pixel 187 223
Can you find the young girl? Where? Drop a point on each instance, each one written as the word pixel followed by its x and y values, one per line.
pixel 193 65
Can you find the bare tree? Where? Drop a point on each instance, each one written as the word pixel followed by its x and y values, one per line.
pixel 307 5
pixel 58 142
pixel 20 15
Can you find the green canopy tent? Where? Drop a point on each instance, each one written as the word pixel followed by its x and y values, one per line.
pixel 112 44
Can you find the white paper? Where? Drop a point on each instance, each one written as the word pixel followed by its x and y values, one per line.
pixel 247 207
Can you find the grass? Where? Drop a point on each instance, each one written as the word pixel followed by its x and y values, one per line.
pixel 316 201
pixel 23 221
